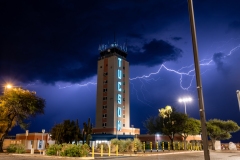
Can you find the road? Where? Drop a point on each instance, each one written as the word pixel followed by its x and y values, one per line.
pixel 161 156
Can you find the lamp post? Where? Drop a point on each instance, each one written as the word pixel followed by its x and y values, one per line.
pixel 43 131
pixel 238 97
pixel 198 80
pixel 185 100
pixel 26 139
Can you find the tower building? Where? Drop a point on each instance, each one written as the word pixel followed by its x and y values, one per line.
pixel 112 108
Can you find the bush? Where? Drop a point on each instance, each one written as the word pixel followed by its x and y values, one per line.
pixel 84 150
pixel 20 148
pixel 53 149
pixel 72 150
pixel 12 148
pixel 105 147
pixel 16 148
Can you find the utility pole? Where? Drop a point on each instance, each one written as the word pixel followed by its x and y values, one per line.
pixel 199 83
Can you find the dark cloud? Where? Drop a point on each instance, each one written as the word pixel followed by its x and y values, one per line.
pixel 153 53
pixel 176 38
pixel 57 40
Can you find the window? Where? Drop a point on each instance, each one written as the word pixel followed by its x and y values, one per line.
pixel 104 98
pixel 104 89
pixel 123 67
pixel 124 91
pixel 104 115
pixel 104 107
pixel 100 66
pixel 123 125
pixel 123 83
pixel 123 75
pixel 105 81
pixel 104 124
pixel 124 116
pixel 123 107
pixel 123 99
pixel 105 73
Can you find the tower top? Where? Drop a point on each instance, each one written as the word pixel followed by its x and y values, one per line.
pixel 114 48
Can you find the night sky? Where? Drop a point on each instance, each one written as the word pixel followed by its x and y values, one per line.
pixel 51 47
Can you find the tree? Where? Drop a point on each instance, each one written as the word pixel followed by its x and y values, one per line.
pixel 190 127
pixel 16 106
pixel 168 122
pixel 87 131
pixel 220 130
pixel 66 132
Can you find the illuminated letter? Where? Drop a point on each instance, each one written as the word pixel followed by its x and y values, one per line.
pixel 119 112
pixel 119 125
pixel 119 99
pixel 119 62
pixel 119 74
pixel 119 86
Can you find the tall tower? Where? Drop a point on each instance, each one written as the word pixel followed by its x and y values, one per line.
pixel 112 108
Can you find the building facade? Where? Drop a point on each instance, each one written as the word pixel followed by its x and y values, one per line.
pixel 112 108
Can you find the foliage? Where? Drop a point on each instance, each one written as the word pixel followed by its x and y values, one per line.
pixel 12 148
pixel 126 145
pixel 170 122
pixel 53 149
pixel 138 144
pixel 16 106
pixel 87 131
pixel 220 130
pixel 105 147
pixel 16 148
pixel 66 132
pixel 72 150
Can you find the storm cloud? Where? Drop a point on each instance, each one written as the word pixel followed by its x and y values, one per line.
pixel 153 53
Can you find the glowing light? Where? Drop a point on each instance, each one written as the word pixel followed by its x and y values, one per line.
pixel 8 86
pixel 186 99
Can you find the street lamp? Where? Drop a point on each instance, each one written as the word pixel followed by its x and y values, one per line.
pixel 26 139
pixel 43 131
pixel 8 86
pixel 185 100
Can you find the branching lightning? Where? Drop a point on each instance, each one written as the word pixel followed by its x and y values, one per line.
pixel 188 71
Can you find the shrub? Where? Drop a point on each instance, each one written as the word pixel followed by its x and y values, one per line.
pixel 16 148
pixel 84 150
pixel 72 150
pixel 20 148
pixel 105 147
pixel 53 149
pixel 12 148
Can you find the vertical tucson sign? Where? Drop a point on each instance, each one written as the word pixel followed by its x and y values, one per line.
pixel 119 95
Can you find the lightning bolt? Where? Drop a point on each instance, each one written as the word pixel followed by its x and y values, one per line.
pixel 188 71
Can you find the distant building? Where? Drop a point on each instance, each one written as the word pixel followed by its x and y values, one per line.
pixel 112 108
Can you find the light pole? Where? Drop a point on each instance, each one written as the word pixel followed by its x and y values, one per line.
pixel 185 100
pixel 43 131
pixel 198 80
pixel 238 97
pixel 26 139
